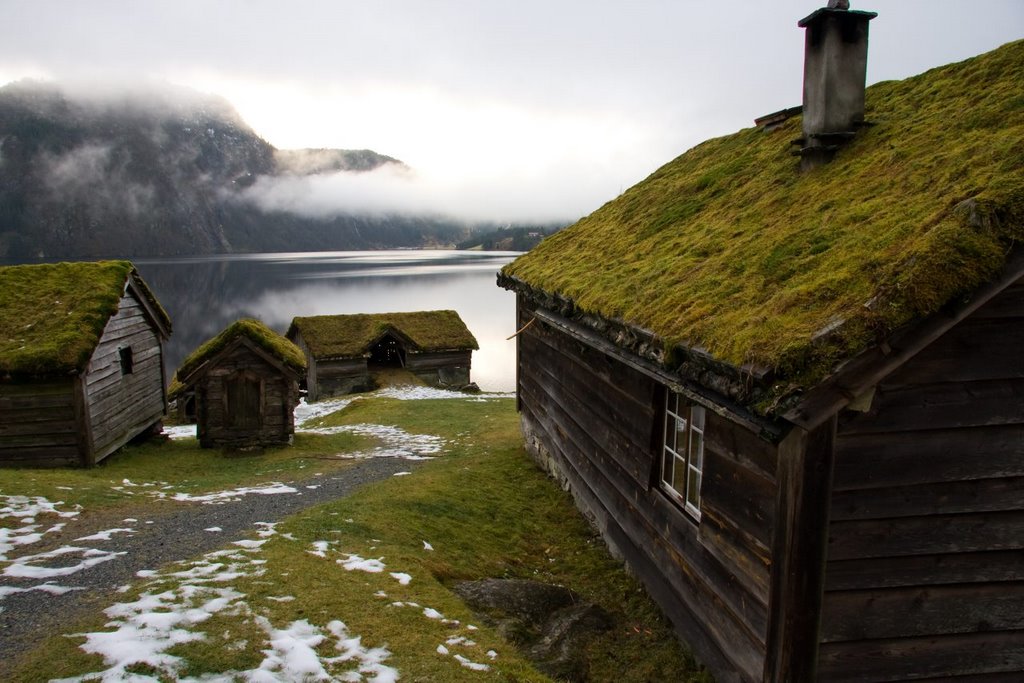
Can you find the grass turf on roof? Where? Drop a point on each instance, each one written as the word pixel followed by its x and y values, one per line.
pixel 264 337
pixel 339 336
pixel 731 249
pixel 52 315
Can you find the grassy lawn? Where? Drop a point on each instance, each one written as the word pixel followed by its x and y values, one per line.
pixel 371 571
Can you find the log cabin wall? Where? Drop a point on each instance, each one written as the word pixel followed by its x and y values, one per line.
pixel 597 425
pixel 38 425
pixel 443 368
pixel 124 389
pixel 925 572
pixel 337 377
pixel 312 393
pixel 274 396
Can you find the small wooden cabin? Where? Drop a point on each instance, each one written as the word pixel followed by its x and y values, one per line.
pixel 81 362
pixel 342 350
pixel 793 402
pixel 245 384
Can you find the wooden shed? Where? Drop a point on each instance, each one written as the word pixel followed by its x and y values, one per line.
pixel 245 384
pixel 793 402
pixel 81 362
pixel 342 350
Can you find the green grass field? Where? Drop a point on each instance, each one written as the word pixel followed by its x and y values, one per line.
pixel 480 509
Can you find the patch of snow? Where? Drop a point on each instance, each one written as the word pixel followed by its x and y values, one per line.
pixel 401 474
pixel 442 650
pixel 180 431
pixel 27 567
pixel 48 587
pixel 105 535
pixel 427 546
pixel 492 654
pixel 304 412
pixel 248 544
pixel 355 562
pixel 431 613
pixel 319 548
pixel 220 497
pixel 396 442
pixel 401 577
pixel 429 393
pixel 282 598
pixel 470 664
pixel 213 528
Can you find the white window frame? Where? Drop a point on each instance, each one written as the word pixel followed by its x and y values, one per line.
pixel 685 419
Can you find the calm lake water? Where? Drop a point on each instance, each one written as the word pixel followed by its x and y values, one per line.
pixel 204 294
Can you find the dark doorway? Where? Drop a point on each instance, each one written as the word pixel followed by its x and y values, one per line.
pixel 388 352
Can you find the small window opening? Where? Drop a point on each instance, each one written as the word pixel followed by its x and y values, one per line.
pixel 127 362
pixel 682 464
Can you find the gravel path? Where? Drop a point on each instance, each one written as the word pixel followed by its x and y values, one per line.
pixel 177 532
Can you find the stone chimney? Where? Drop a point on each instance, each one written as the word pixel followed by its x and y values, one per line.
pixel 835 69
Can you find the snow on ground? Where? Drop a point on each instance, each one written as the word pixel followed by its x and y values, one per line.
pixel 221 497
pixel 180 431
pixel 304 412
pixel 177 601
pixel 429 393
pixel 32 567
pixel 396 442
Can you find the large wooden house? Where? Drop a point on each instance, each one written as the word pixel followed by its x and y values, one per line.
pixel 793 400
pixel 342 350
pixel 81 362
pixel 244 385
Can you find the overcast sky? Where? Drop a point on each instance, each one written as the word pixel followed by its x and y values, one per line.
pixel 524 109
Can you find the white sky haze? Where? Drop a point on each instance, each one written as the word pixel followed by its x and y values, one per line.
pixel 511 111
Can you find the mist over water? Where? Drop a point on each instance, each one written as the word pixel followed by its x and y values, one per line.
pixel 204 294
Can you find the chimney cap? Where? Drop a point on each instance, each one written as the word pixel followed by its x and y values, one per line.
pixel 828 11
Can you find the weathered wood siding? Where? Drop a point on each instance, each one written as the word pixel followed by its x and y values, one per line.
pixel 925 576
pixel 441 369
pixel 312 393
pixel 278 396
pixel 122 405
pixel 38 426
pixel 596 424
pixel 341 376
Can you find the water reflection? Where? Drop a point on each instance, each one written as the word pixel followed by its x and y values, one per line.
pixel 203 294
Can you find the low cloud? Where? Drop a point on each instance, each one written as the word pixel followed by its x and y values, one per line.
pixel 92 174
pixel 474 196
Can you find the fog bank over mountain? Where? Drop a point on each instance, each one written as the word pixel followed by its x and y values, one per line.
pixel 158 170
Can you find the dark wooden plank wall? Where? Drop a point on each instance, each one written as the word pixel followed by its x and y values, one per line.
pixel 596 425
pixel 340 377
pixel 443 368
pixel 37 424
pixel 311 366
pixel 280 395
pixel 926 555
pixel 121 406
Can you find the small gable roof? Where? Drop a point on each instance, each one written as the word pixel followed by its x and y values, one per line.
pixel 262 337
pixel 730 253
pixel 52 315
pixel 341 336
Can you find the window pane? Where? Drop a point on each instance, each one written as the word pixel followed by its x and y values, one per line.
pixel 666 467
pixel 697 449
pixel 679 478
pixel 693 488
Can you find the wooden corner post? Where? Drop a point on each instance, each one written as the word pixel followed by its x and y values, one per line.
pixel 799 551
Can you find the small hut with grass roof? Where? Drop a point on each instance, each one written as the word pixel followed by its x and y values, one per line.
pixel 81 362
pixel 343 350
pixel 793 399
pixel 245 384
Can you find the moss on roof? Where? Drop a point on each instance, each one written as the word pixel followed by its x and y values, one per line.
pixel 52 315
pixel 338 336
pixel 264 337
pixel 730 249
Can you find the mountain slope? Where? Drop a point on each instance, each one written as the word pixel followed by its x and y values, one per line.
pixel 160 172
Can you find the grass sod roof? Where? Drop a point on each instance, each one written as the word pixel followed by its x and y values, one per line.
pixel 730 249
pixel 340 336
pixel 52 315
pixel 264 337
